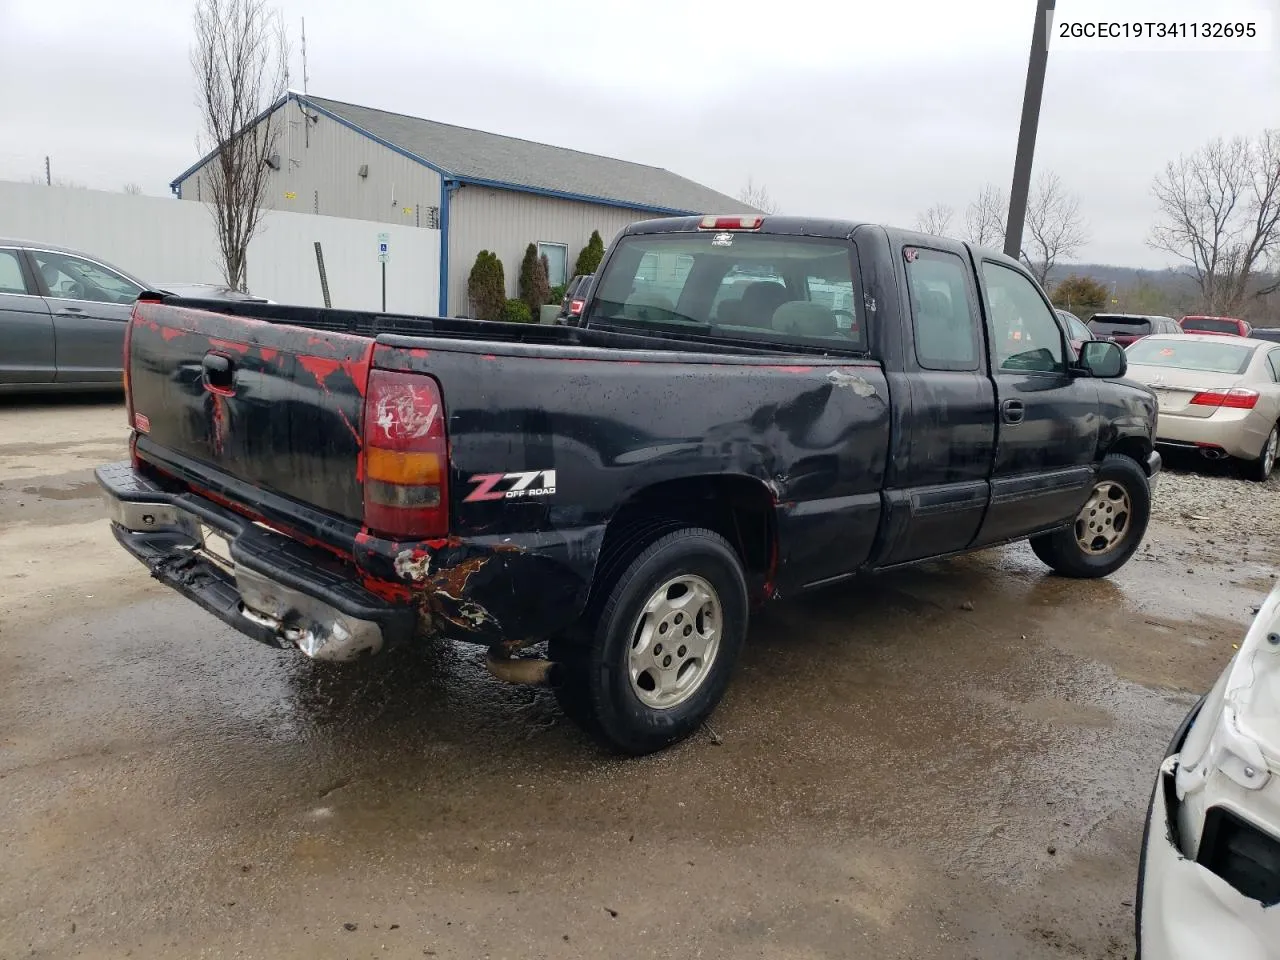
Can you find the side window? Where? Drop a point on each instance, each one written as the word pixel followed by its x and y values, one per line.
pixel 11 273
pixel 71 278
pixel 946 331
pixel 1273 360
pixel 1024 334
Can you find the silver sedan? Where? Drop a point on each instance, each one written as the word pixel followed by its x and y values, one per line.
pixel 1217 395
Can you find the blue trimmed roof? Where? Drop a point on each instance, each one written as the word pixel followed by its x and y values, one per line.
pixel 489 159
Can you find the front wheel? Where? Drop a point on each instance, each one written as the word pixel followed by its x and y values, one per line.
pixel 1109 526
pixel 1261 468
pixel 657 659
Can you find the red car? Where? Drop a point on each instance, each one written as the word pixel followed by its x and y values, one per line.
pixel 1222 326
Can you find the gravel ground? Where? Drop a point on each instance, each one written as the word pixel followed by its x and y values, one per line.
pixel 1214 495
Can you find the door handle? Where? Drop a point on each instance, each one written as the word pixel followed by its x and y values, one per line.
pixel 217 373
pixel 1012 411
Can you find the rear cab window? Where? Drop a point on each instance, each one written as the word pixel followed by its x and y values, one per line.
pixel 1211 324
pixel 739 285
pixel 1108 326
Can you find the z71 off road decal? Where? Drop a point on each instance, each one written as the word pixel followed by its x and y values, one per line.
pixel 512 486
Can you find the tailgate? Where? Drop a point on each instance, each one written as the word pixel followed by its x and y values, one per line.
pixel 273 405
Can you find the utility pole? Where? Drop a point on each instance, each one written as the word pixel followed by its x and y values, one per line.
pixel 1027 129
pixel 306 110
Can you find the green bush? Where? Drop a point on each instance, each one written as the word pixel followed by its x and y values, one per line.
pixel 516 311
pixel 535 290
pixel 557 293
pixel 487 286
pixel 590 256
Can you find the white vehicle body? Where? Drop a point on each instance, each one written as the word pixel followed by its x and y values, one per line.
pixel 1209 884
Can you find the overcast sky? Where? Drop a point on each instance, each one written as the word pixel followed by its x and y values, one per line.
pixel 867 110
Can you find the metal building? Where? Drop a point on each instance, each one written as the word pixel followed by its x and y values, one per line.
pixel 483 191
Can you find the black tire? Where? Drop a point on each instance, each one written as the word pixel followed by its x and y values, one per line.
pixel 1260 469
pixel 1062 550
pixel 592 680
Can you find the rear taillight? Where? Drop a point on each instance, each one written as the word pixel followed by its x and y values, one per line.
pixel 730 223
pixel 128 394
pixel 406 464
pixel 575 307
pixel 1237 398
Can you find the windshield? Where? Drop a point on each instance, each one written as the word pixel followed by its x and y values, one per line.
pixel 1105 326
pixel 1189 354
pixel 733 286
pixel 1210 324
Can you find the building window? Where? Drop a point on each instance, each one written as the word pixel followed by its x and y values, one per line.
pixel 557 255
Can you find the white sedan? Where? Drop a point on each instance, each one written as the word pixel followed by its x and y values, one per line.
pixel 1217 395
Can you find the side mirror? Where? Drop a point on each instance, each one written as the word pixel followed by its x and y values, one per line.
pixel 1103 359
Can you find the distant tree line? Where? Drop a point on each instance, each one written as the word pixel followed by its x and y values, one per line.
pixel 1218 213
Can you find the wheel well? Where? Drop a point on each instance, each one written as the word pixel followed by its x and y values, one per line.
pixel 740 509
pixel 1135 448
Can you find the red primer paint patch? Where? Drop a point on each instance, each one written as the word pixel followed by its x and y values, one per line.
pixel 388 591
pixel 319 367
pixel 219 424
pixel 791 369
pixel 170 333
pixel 358 369
pixel 229 345
pixel 268 354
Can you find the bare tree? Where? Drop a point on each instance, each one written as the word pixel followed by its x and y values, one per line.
pixel 1054 228
pixel 240 58
pixel 936 220
pixel 1220 212
pixel 984 218
pixel 132 189
pixel 57 182
pixel 758 196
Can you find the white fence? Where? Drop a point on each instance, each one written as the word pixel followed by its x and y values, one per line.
pixel 161 240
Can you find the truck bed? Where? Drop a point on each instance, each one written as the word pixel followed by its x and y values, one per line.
pixel 551 433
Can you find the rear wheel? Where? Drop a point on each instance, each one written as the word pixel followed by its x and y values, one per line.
pixel 655 661
pixel 1261 468
pixel 1109 526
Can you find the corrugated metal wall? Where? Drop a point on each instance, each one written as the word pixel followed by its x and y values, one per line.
pixel 324 177
pixel 506 222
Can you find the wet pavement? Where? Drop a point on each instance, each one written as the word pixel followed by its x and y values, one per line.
pixel 949 761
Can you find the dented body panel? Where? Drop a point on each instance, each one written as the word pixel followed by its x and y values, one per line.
pixel 1209 879
pixel 820 459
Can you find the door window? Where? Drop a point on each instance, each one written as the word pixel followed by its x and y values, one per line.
pixel 1024 334
pixel 71 278
pixel 11 273
pixel 1273 361
pixel 946 331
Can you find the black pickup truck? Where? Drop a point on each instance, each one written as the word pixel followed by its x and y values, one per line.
pixel 751 407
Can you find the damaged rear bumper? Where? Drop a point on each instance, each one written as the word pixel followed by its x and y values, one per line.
pixel 268 586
